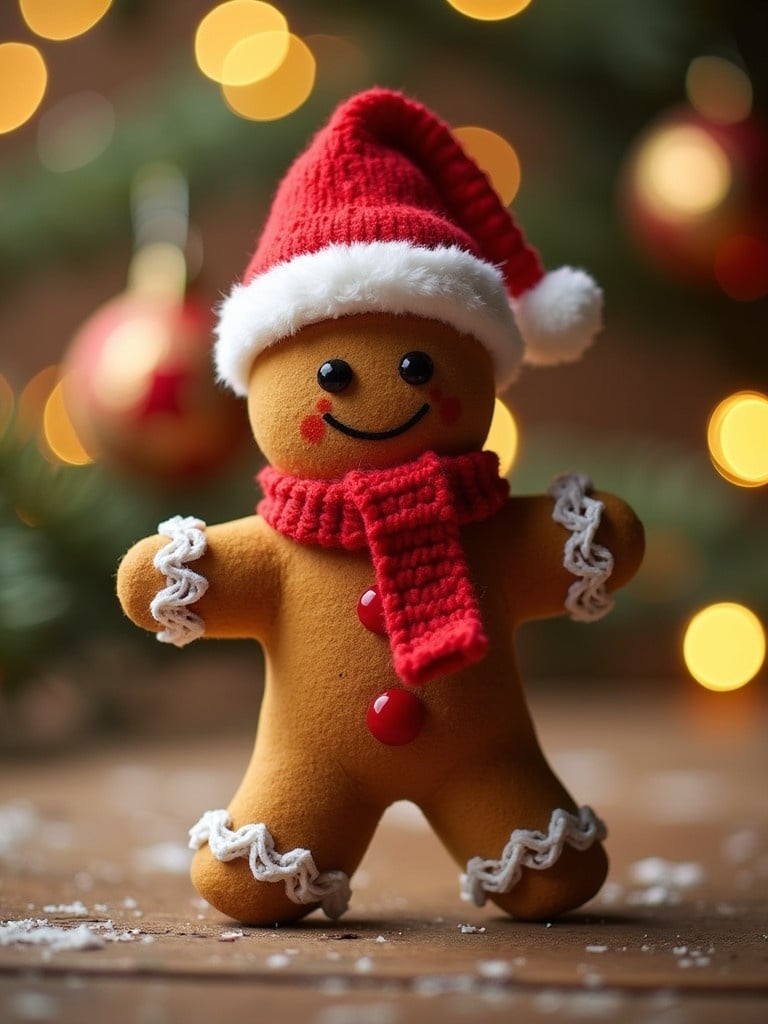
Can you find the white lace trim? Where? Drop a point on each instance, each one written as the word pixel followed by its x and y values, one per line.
pixel 303 882
pixel 184 586
pixel 591 563
pixel 528 848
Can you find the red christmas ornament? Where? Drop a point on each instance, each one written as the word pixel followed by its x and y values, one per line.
pixel 694 196
pixel 140 390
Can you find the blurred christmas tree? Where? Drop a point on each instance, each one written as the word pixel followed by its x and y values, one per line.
pixel 585 93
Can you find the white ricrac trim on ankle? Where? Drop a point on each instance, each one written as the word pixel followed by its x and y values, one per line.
pixel 184 586
pixel 591 563
pixel 303 882
pixel 528 848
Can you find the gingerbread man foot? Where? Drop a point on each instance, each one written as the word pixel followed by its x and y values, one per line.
pixel 240 872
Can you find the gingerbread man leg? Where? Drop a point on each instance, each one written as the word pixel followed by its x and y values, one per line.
pixel 282 850
pixel 523 844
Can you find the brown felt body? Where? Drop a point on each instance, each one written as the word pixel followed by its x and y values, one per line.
pixel 318 778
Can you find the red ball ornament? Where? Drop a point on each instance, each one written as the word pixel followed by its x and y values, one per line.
pixel 140 390
pixel 396 717
pixel 694 197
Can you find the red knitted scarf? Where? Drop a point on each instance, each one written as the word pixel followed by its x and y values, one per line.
pixel 408 517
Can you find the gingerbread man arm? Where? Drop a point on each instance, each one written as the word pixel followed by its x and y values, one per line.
pixel 550 555
pixel 235 580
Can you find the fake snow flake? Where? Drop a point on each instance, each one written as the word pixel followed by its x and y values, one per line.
pixel 76 909
pixel 230 936
pixel 470 929
pixel 364 965
pixel 54 938
pixel 37 932
pixel 278 960
pixel 494 968
pixel 596 949
pixel 671 874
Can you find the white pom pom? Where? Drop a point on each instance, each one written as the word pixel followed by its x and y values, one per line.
pixel 559 317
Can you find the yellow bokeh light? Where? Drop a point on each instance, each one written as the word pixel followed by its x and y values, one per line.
pixel 255 58
pixel 31 403
pixel 495 156
pixel 724 646
pixel 682 172
pixel 502 436
pixel 719 90
pixel 737 437
pixel 62 19
pixel 59 433
pixel 489 10
pixel 23 79
pixel 232 25
pixel 281 92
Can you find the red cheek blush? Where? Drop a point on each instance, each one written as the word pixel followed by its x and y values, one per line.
pixel 312 429
pixel 324 405
pixel 450 410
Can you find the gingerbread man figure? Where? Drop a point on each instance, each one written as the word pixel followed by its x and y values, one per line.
pixel 390 297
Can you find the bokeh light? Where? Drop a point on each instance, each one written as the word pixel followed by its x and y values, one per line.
pixel 255 58
pixel 62 19
pixel 737 438
pixel 682 172
pixel 741 268
pixel 228 36
pixel 75 131
pixel 495 156
pixel 720 90
pixel 724 646
pixel 31 402
pixel 23 80
pixel 502 436
pixel 59 433
pixel 280 93
pixel 489 10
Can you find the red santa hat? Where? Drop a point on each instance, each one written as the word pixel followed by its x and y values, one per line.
pixel 385 212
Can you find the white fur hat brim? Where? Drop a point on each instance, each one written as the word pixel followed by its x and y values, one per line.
pixel 445 283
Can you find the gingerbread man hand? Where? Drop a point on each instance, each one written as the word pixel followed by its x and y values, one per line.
pixel 387 567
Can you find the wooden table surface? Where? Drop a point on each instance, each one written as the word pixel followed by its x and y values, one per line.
pixel 93 843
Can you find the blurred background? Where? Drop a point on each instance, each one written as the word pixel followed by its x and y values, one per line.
pixel 140 144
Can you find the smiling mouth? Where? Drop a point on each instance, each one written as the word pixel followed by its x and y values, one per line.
pixel 377 435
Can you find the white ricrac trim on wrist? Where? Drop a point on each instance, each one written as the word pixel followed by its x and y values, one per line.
pixel 254 843
pixel 591 563
pixel 184 586
pixel 529 848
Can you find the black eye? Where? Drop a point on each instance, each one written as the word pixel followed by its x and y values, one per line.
pixel 335 375
pixel 416 368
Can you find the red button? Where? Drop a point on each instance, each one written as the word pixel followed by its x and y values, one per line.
pixel 396 717
pixel 370 611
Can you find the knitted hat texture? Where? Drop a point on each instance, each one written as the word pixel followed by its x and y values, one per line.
pixel 385 212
